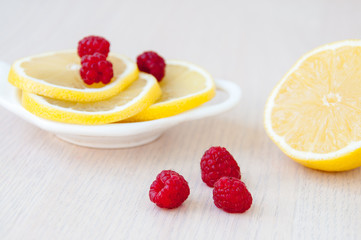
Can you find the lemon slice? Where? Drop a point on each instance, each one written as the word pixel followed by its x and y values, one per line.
pixel 56 75
pixel 184 86
pixel 138 96
pixel 314 113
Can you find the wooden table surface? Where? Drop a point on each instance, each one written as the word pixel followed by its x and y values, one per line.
pixel 50 189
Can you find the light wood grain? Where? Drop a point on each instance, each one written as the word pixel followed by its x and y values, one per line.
pixel 50 189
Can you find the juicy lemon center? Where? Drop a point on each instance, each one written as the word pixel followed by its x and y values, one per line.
pixel 73 67
pixel 331 99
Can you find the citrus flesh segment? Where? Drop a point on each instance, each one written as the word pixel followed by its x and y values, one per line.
pixel 314 114
pixel 56 75
pixel 138 96
pixel 184 86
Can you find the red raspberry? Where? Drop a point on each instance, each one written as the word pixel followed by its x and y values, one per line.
pixel 95 68
pixel 231 195
pixel 92 44
pixel 169 189
pixel 217 162
pixel 151 62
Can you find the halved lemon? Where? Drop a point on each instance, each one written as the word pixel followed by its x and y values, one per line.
pixel 184 86
pixel 138 96
pixel 56 75
pixel 314 113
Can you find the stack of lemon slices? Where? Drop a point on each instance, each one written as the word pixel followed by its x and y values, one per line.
pixel 53 89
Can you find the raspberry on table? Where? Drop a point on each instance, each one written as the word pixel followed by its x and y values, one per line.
pixel 231 195
pixel 150 62
pixel 95 68
pixel 217 162
pixel 169 189
pixel 92 44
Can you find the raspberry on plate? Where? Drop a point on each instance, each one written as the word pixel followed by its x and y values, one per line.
pixel 217 162
pixel 150 62
pixel 169 189
pixel 95 68
pixel 231 195
pixel 92 44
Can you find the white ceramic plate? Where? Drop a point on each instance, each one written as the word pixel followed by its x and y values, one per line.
pixel 117 135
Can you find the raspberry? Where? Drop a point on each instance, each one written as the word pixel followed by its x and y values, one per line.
pixel 169 190
pixel 231 195
pixel 95 68
pixel 151 62
pixel 217 162
pixel 92 44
